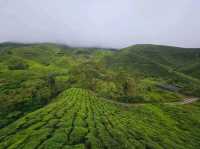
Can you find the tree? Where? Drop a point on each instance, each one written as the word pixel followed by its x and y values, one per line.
pixel 52 84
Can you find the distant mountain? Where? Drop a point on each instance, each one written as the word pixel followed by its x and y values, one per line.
pixel 144 56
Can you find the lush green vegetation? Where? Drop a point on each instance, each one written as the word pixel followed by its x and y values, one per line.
pixel 53 96
pixel 177 66
pixel 78 119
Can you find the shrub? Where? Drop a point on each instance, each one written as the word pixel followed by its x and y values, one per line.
pixel 18 66
pixel 78 135
pixel 131 99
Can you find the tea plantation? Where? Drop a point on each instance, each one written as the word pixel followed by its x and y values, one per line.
pixel 53 96
pixel 77 119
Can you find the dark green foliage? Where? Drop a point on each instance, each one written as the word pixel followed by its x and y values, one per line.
pixel 15 63
pixel 131 99
pixel 18 66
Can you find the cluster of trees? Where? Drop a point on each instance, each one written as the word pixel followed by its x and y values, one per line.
pixel 15 63
pixel 21 96
pixel 104 82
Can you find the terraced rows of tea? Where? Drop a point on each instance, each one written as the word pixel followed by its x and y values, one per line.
pixel 78 119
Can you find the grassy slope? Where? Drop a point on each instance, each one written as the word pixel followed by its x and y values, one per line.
pixel 140 55
pixel 78 119
pixel 32 74
pixel 175 65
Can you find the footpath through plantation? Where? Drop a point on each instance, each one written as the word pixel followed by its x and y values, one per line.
pixel 77 119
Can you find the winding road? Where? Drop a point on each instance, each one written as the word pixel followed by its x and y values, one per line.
pixel 185 101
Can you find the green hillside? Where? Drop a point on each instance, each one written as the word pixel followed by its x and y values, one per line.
pixel 175 65
pixel 55 96
pixel 173 57
pixel 78 119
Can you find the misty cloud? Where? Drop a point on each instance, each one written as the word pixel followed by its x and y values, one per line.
pixel 108 23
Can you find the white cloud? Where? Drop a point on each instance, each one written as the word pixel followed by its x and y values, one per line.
pixel 109 23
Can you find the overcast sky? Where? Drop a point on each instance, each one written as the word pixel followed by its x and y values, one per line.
pixel 106 23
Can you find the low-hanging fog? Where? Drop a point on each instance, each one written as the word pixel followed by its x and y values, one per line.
pixel 105 23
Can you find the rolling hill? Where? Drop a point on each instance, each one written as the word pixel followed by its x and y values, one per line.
pixel 147 58
pixel 175 65
pixel 78 119
pixel 56 96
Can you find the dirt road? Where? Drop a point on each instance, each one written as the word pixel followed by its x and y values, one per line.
pixel 182 102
